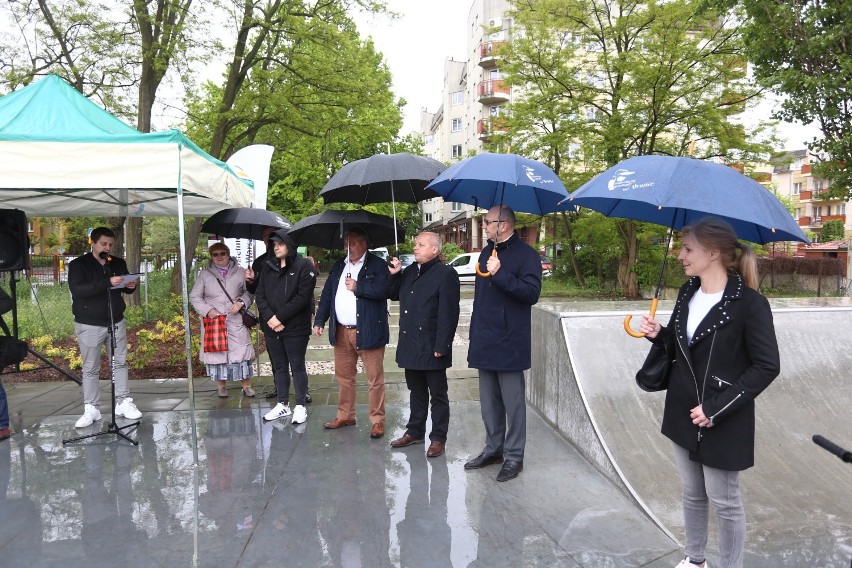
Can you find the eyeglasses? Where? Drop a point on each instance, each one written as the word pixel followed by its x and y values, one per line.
pixel 487 222
pixel 219 254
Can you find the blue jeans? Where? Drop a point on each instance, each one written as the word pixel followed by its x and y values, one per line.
pixel 4 408
pixel 703 485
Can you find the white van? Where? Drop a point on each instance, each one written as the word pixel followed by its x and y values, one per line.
pixel 381 252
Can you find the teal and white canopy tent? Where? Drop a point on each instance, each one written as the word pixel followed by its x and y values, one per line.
pixel 61 155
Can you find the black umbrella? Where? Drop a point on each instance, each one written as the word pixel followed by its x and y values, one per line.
pixel 243 223
pixel 384 178
pixel 326 229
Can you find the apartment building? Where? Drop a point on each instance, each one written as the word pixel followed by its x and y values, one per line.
pixel 813 207
pixel 474 95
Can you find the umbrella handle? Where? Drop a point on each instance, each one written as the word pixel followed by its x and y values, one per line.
pixel 485 274
pixel 628 317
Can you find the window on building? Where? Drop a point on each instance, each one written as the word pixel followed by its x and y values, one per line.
pixel 457 98
pixel 428 217
pixel 457 125
pixel 818 185
pixel 29 226
pixel 494 110
pixel 797 188
pixel 457 150
pixel 841 209
pixel 798 213
pixel 455 206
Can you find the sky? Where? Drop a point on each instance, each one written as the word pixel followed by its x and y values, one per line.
pixel 416 46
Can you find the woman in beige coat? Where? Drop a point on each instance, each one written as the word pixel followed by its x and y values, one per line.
pixel 209 298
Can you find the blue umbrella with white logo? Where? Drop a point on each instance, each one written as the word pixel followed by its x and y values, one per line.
pixel 678 191
pixel 486 180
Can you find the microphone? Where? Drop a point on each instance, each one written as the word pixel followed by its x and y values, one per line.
pixel 105 255
pixel 832 448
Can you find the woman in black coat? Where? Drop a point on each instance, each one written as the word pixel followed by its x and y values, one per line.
pixel 726 353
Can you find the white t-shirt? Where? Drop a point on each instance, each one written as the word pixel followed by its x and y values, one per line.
pixel 345 306
pixel 699 307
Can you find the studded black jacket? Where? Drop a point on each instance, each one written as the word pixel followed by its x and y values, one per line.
pixel 731 359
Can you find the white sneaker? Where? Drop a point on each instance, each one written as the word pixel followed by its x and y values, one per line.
pixel 685 563
pixel 280 410
pixel 90 415
pixel 300 414
pixel 128 409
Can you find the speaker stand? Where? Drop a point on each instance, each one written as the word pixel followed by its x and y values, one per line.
pixel 13 288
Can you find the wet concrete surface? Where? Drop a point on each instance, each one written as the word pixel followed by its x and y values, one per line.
pixel 271 494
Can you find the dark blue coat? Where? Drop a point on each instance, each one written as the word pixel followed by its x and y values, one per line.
pixel 731 359
pixel 500 327
pixel 371 303
pixel 428 314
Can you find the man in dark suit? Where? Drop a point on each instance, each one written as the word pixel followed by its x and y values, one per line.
pixel 428 294
pixel 501 340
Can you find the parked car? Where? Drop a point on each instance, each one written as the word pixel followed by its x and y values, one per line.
pixel 381 252
pixel 465 266
pixel 406 259
pixel 546 265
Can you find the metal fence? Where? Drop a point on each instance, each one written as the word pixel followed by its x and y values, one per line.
pixel 48 270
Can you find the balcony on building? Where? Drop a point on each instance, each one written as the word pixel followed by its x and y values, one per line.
pixel 493 91
pixel 805 195
pixel 488 53
pixel 804 221
pixel 487 127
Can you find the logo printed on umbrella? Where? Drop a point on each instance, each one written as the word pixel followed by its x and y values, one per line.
pixel 535 177
pixel 621 181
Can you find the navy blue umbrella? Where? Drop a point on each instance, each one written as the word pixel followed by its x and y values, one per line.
pixel 486 180
pixel 678 191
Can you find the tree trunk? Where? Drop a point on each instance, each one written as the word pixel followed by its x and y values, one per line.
pixel 133 231
pixel 117 226
pixel 627 280
pixel 568 220
pixel 191 244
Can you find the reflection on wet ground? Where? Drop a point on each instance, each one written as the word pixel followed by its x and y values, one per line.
pixel 271 494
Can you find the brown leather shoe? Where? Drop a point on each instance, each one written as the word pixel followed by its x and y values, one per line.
pixel 406 440
pixel 378 430
pixel 435 449
pixel 338 423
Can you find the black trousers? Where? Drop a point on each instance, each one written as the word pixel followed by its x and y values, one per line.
pixel 288 354
pixel 427 387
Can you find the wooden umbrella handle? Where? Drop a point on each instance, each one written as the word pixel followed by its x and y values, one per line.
pixel 485 274
pixel 628 317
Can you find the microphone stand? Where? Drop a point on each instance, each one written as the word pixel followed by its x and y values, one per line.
pixel 112 428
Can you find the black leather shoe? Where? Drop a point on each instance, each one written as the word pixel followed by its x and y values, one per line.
pixel 510 470
pixel 308 397
pixel 273 394
pixel 482 460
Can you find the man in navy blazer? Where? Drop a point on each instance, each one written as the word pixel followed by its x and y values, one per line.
pixel 501 340
pixel 428 294
pixel 355 300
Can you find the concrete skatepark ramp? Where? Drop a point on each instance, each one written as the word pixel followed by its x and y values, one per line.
pixel 798 497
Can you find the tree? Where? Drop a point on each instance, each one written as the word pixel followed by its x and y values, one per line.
pixel 301 80
pixel 802 49
pixel 601 81
pixel 832 230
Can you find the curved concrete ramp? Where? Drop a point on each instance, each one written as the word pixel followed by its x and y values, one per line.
pixel 798 496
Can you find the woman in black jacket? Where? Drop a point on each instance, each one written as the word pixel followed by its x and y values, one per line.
pixel 285 300
pixel 726 354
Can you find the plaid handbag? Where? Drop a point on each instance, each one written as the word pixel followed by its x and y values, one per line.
pixel 215 334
